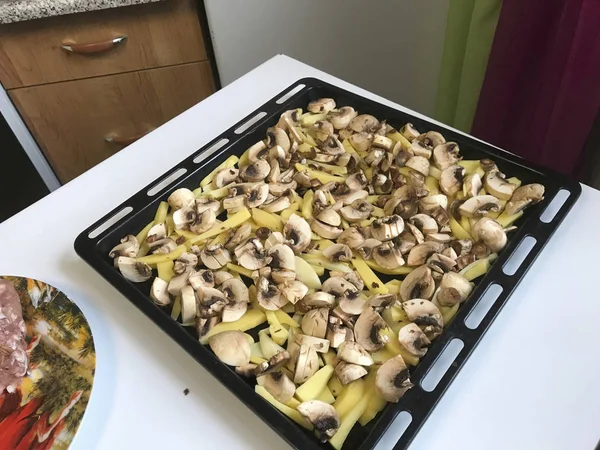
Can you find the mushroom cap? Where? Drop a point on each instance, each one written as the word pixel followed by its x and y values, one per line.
pixel 354 353
pixel 324 230
pixel 420 164
pixel 413 339
pixel 367 248
pixel 364 122
pixel 278 385
pixel 421 252
pixel 225 176
pixel 393 379
pixel 231 347
pixel 454 288
pixel 211 302
pixel 417 284
pixel 319 299
pixel 361 142
pixel 278 137
pixel 321 106
pixel 358 210
pixel 424 223
pixel 159 292
pixel 268 295
pixel 330 217
pixel 480 205
pixel 323 417
pixel 237 296
pixel 215 256
pixel 472 185
pixel 353 237
pixel 129 246
pixel 181 198
pixel 367 330
pixel 257 151
pixel 251 255
pixel 409 132
pixel 342 117
pixel 257 195
pixel 491 233
pixel 388 255
pixel 523 197
pixel 293 290
pixel 257 171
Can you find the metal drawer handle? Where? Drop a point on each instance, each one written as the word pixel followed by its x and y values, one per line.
pixel 94 47
pixel 124 141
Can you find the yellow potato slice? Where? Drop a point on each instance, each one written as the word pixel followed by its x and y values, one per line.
pixel 402 270
pixel 165 270
pixel 349 397
pixel 326 396
pixel 229 162
pixel 155 259
pixel 234 221
pixel 335 386
pixel 372 282
pixel 142 235
pixel 313 387
pixel 239 269
pixel 161 212
pixel 252 319
pixel 290 412
pixel 266 219
pixel 458 231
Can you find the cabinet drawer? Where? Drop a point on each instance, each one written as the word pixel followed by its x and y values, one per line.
pixel 72 120
pixel 157 35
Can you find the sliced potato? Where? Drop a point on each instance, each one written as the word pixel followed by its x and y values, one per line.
pixel 251 319
pixel 313 387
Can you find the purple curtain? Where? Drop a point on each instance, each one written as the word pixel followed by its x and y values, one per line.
pixel 541 91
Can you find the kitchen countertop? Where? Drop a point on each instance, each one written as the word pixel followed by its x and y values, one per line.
pixel 20 10
pixel 531 382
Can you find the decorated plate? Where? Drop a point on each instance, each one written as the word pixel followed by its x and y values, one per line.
pixel 45 410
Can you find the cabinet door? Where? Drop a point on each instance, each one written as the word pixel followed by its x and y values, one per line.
pixel 157 35
pixel 81 123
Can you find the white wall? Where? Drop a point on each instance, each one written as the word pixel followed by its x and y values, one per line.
pixel 392 47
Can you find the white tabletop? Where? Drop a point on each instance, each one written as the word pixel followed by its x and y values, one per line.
pixel 531 383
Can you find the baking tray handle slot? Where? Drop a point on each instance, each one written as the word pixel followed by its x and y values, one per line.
pixel 110 222
pixel 555 205
pixel 290 94
pixel 246 125
pixel 396 430
pixel 516 259
pixel 482 307
pixel 165 182
pixel 442 364
pixel 205 153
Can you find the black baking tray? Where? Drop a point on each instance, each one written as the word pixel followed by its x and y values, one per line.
pixel 94 243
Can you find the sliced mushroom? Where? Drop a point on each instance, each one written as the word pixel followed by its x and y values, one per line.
pixel 446 155
pixel 387 228
pixel 157 233
pixel 278 385
pixel 361 142
pixel 347 372
pixel 454 288
pixel 282 257
pixel 352 302
pixel 257 151
pixel 357 180
pixel 133 270
pixel 185 261
pixel 257 195
pixel 338 333
pixel 297 232
pixel 321 106
pixel 215 256
pixel 323 129
pixel 382 142
pixel 332 146
pixel 357 211
pixel 418 148
pixel 367 330
pixel 425 314
pixel 237 296
pixel 159 292
pixel 221 276
pixel 409 132
pixel 324 230
pixel 433 202
pixel 188 305
pixel 417 284
pixel 225 176
pixel 424 223
pixel 472 185
pixel 275 362
pixel 203 222
pixel 181 198
pixel 128 247
pixel 496 185
pixel 337 253
pixel 440 263
pixel 451 180
pixel 491 233
pixel 211 301
pixel 330 217
pixel 320 345
pixel 393 379
pixel 231 347
pixel 523 197
pixel 353 237
pixel 322 416
pixel 314 322
pixel 251 255
pixel 388 256
pixel 238 236
pixel 382 300
pixel 202 278
pixel 177 283
pixel 341 118
pixel 278 137
pixel 256 171
pixel 419 254
pixel 306 363
pixel 204 325
pixel 293 290
pixel 268 295
pixel 413 339
pixel 480 205
pixel 315 300
pixel 354 353
pixel 368 247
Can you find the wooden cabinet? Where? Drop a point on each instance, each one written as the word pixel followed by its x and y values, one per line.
pixel 157 35
pixel 82 106
pixel 73 120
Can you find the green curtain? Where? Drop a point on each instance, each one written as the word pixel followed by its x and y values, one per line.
pixel 469 35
